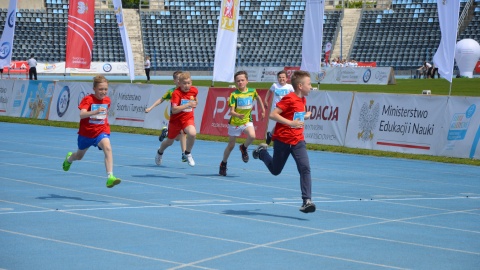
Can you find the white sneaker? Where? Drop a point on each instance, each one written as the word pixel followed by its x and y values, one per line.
pixel 158 159
pixel 190 160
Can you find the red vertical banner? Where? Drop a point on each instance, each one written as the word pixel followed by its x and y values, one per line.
pixel 81 16
pixel 328 48
pixel 216 113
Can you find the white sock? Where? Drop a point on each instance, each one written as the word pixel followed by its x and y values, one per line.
pixel 70 159
pixel 109 174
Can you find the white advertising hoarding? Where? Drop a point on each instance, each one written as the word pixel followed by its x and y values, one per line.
pixel 398 123
pixel 462 133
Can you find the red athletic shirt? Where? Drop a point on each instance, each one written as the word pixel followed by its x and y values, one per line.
pixel 290 104
pixel 91 127
pixel 179 98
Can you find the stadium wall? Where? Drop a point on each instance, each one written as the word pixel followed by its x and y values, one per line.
pixel 416 124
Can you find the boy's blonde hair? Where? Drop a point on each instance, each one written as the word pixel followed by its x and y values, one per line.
pixel 298 77
pixel 184 76
pixel 99 79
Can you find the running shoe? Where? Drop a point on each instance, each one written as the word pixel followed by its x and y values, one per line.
pixel 269 138
pixel 184 157
pixel 113 181
pixel 190 160
pixel 164 134
pixel 223 169
pixel 243 149
pixel 158 158
pixel 66 164
pixel 308 207
pixel 256 152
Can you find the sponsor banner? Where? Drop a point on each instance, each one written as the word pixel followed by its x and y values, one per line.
pixel 31 99
pixel 79 45
pixel 290 71
pixel 448 12
pixel 159 116
pixel 105 68
pixel 217 113
pixel 462 133
pixel 328 123
pixel 328 47
pixel 312 36
pixel 66 98
pixel 6 40
pixel 399 123
pixel 226 45
pixel 6 88
pixel 367 64
pixel 127 48
pixel 17 67
pixel 261 74
pixel 128 107
pixel 355 75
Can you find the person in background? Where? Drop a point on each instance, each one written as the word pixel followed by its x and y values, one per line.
pixel 32 72
pixel 278 90
pixel 147 68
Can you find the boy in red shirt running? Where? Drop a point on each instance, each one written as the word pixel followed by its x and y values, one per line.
pixel 94 129
pixel 290 114
pixel 183 102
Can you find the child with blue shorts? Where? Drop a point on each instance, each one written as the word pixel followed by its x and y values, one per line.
pixel 94 129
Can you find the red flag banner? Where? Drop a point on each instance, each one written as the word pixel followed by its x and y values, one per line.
pixel 216 114
pixel 81 16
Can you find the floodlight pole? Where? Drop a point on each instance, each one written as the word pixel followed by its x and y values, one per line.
pixel 341 42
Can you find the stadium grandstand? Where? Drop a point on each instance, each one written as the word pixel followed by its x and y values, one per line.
pixel 181 34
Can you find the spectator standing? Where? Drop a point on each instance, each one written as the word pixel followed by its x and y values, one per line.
pixel 32 72
pixel 147 67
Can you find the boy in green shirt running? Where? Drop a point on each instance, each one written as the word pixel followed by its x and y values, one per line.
pixel 241 105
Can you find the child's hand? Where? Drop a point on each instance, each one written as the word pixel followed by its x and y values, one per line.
pixel 101 110
pixel 147 110
pixel 241 116
pixel 296 123
pixel 193 103
pixel 307 115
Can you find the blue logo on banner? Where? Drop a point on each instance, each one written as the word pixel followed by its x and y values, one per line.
pixel 367 75
pixel 460 123
pixel 5 50
pixel 63 101
pixel 107 67
pixel 11 19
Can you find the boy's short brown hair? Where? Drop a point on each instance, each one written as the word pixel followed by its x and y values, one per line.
pixel 298 77
pixel 176 73
pixel 241 72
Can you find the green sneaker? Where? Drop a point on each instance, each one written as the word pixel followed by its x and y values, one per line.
pixel 66 164
pixel 113 181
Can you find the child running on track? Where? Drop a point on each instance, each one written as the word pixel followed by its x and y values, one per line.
pixel 94 129
pixel 183 102
pixel 288 138
pixel 167 96
pixel 241 105
pixel 279 90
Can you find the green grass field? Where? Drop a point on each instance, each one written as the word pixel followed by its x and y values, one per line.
pixel 460 87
